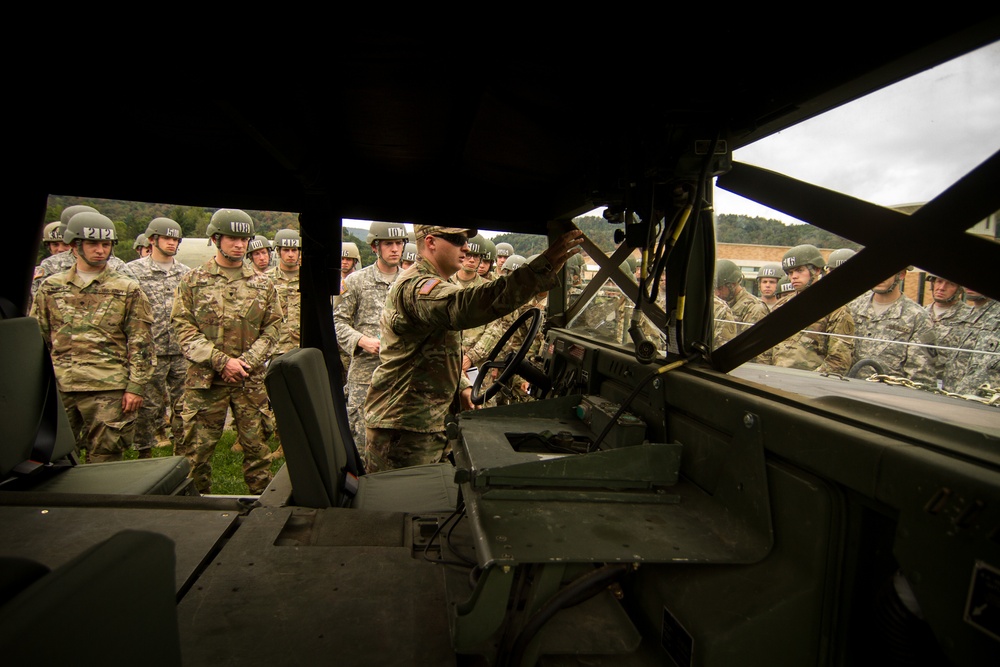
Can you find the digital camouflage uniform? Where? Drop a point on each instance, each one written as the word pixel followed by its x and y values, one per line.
pixel 62 262
pixel 220 314
pixel 949 327
pixel 166 387
pixel 101 343
pixel 725 324
pixel 358 313
pixel 287 284
pixel 822 347
pixel 881 337
pixel 421 358
pixel 981 334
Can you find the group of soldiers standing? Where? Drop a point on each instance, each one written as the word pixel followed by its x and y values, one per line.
pixel 951 345
pixel 153 342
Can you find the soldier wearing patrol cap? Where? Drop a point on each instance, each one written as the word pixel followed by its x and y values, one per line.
pixel 227 318
pixel 420 370
pixel 357 314
pixel 159 274
pixel 825 346
pixel 96 323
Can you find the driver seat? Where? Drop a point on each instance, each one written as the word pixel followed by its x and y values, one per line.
pixel 318 455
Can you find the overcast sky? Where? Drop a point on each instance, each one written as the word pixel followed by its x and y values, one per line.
pixel 904 144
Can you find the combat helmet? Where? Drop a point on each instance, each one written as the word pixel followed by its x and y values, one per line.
pixel 256 243
pixel 802 255
pixel 90 226
pixel 504 250
pixel 231 222
pixel 140 242
pixel 350 250
pixel 53 232
pixel 385 231
pixel 727 273
pixel 489 253
pixel 770 270
pixel 409 253
pixel 476 245
pixel 68 212
pixel 514 262
pixel 164 227
pixel 287 238
pixel 838 257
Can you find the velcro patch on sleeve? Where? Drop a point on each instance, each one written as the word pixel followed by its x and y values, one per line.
pixel 426 288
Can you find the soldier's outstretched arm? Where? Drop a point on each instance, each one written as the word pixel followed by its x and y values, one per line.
pixel 563 247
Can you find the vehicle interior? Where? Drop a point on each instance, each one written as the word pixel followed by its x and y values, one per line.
pixel 659 502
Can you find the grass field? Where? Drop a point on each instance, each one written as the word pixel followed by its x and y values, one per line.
pixel 227 465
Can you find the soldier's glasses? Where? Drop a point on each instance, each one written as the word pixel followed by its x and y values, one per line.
pixel 457 240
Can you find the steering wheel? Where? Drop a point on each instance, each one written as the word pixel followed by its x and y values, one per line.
pixel 509 365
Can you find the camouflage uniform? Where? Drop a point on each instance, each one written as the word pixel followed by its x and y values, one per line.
pixel 820 347
pixel 880 337
pixel 62 262
pixel 219 314
pixel 100 338
pixel 287 284
pixel 358 313
pixel 494 331
pixel 725 324
pixel 982 334
pixel 949 327
pixel 747 309
pixel 166 388
pixel 421 357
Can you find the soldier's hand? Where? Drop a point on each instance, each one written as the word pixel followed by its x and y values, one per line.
pixel 465 398
pixel 235 370
pixel 369 344
pixel 131 402
pixel 564 247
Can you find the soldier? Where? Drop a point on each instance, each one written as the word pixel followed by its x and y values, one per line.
pixel 420 370
pixel 504 250
pixel 96 324
pixel 350 260
pixel 141 246
pixel 893 330
pixel 725 324
pixel 409 256
pixel 227 318
pixel 285 276
pixel 747 308
pixel 767 283
pixel 158 274
pixel 357 316
pixel 259 253
pixel 52 237
pixel 64 260
pixel 981 365
pixel 486 259
pixel 825 346
pixel 948 312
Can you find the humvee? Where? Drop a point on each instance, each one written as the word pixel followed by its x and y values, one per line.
pixel 660 502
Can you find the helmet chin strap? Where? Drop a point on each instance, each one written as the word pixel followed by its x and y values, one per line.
pixel 97 264
pixel 168 253
pixel 223 252
pixel 890 288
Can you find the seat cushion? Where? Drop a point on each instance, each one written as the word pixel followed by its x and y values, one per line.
pixel 162 475
pixel 416 489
